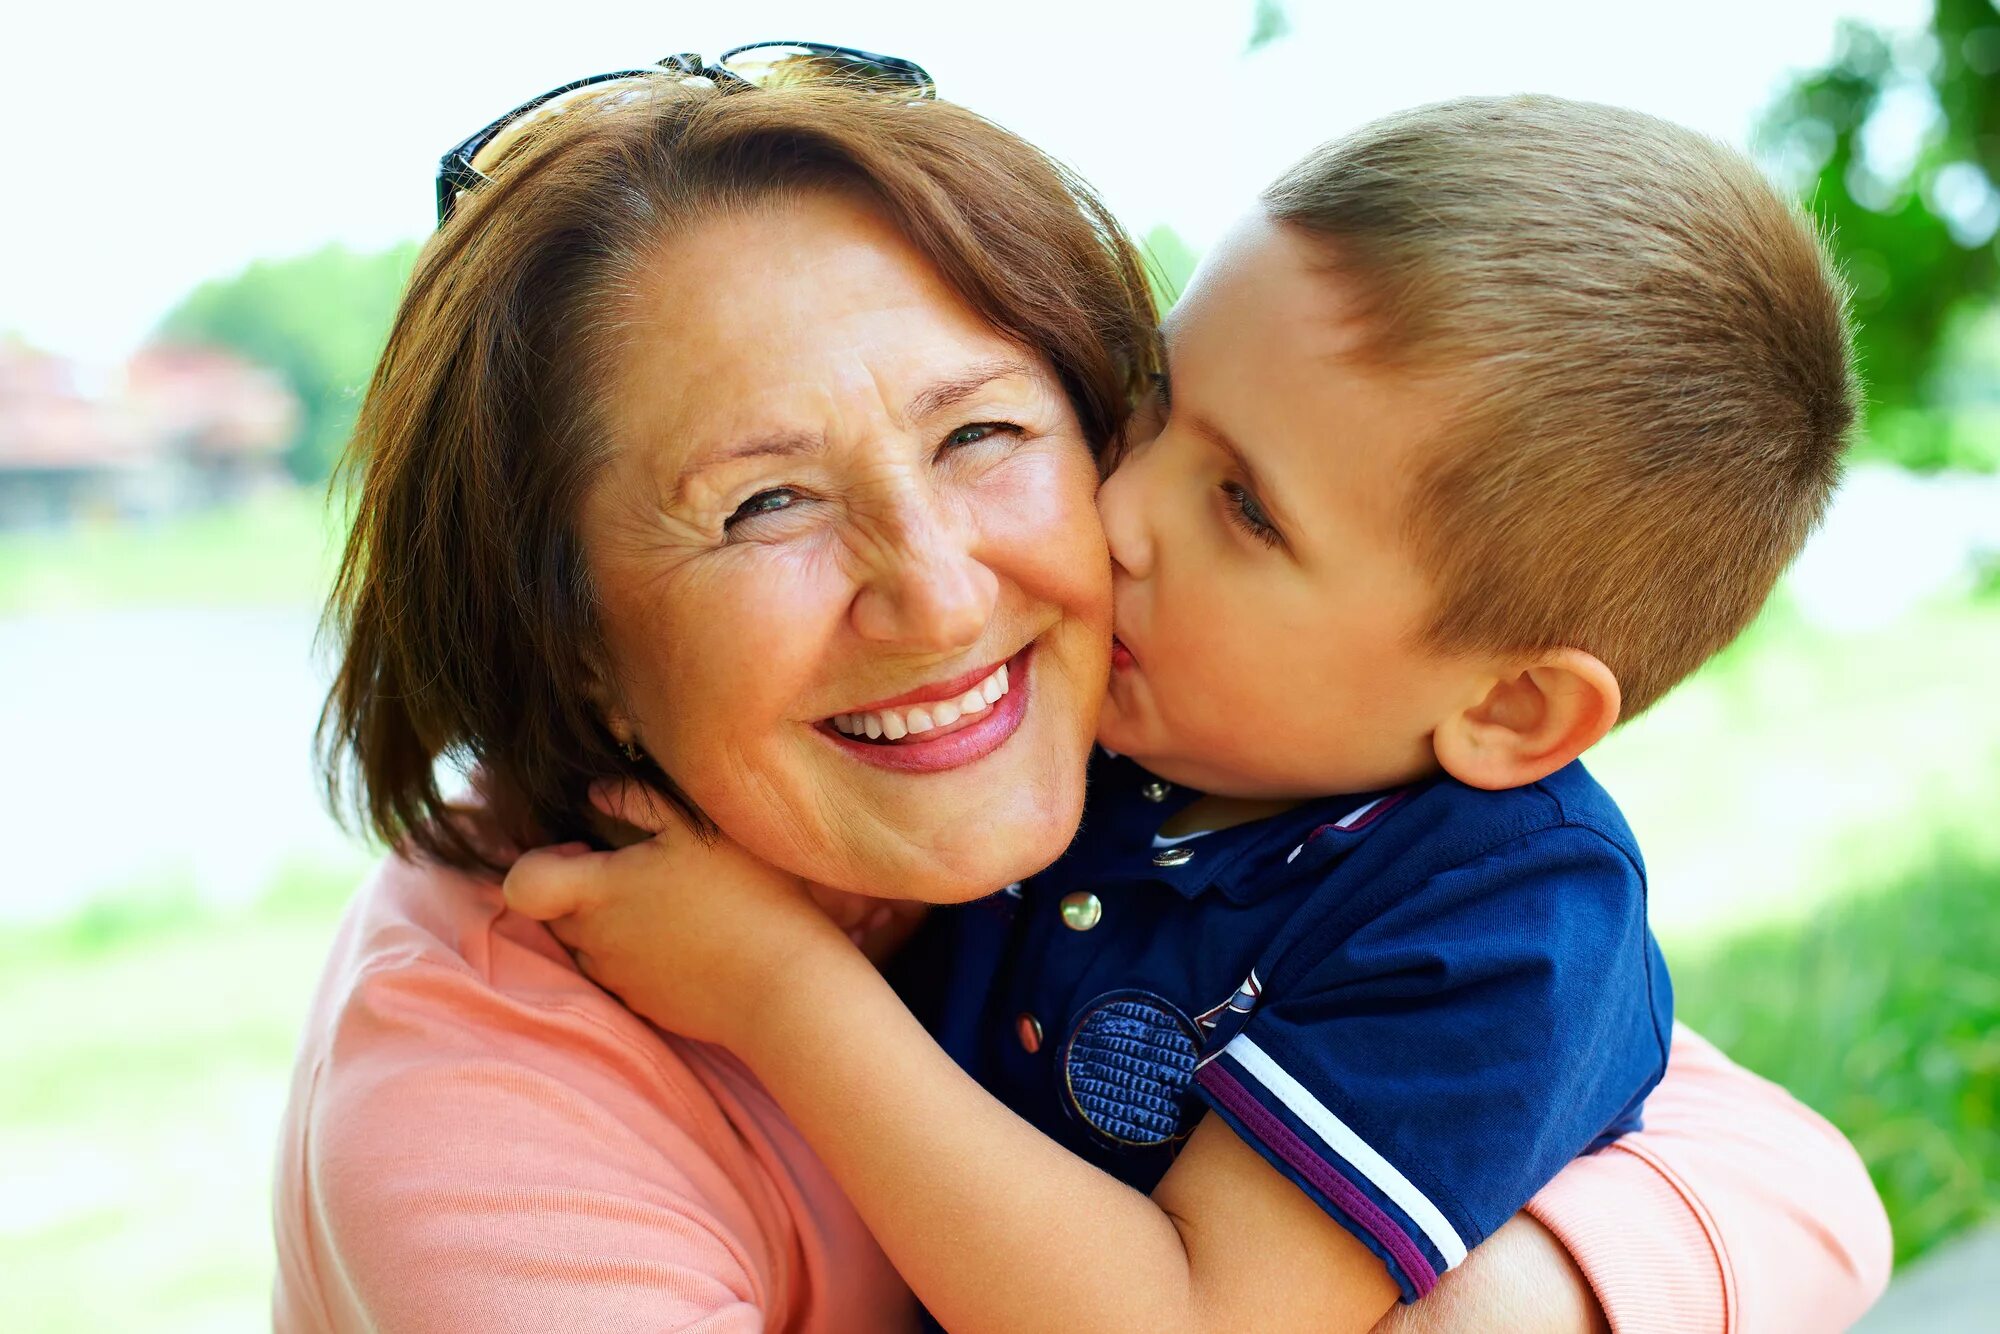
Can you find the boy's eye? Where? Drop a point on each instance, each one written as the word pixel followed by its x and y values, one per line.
pixel 1248 515
pixel 764 502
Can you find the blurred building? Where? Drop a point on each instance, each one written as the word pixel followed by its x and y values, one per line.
pixel 175 428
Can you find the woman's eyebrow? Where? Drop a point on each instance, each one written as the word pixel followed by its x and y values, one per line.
pixel 925 403
pixel 960 387
pixel 777 444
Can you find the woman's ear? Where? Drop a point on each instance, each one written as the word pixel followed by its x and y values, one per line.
pixel 1534 718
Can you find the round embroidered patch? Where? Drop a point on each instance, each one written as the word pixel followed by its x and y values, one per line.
pixel 1127 1067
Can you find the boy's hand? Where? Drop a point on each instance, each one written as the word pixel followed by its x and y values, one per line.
pixel 693 934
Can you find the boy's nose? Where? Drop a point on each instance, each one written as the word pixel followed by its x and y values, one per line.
pixel 1124 517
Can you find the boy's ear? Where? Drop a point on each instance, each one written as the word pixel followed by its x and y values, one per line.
pixel 1534 718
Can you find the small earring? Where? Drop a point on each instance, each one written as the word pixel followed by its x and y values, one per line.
pixel 631 752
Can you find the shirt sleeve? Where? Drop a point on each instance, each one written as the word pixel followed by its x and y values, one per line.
pixel 1736 1210
pixel 1423 1067
pixel 452 1183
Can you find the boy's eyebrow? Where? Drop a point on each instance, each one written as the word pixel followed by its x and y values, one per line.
pixel 1222 440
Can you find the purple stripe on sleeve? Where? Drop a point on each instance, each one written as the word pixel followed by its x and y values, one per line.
pixel 1287 1145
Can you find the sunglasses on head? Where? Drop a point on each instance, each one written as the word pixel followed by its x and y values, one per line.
pixel 758 65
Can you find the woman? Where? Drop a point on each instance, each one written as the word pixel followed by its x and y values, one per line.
pixel 556 575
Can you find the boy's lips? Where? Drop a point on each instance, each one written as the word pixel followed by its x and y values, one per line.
pixel 1121 656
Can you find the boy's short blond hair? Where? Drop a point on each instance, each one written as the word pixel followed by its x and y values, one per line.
pixel 1644 355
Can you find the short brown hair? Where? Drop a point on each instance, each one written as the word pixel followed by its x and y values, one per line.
pixel 1645 358
pixel 463 601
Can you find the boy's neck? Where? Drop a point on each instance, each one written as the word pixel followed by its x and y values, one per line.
pixel 1206 814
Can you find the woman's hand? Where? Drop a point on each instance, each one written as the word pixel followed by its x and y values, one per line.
pixel 693 933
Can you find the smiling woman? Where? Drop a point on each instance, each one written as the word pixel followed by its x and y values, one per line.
pixel 720 427
pixel 807 422
pixel 883 499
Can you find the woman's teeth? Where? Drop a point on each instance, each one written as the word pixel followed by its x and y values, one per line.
pixel 915 719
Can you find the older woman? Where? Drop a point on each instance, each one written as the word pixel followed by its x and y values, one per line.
pixel 557 574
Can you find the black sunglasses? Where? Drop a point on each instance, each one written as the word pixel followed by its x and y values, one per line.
pixel 758 65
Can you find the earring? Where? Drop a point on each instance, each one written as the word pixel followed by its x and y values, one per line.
pixel 631 752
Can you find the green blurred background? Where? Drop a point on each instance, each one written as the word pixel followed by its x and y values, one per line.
pixel 1820 806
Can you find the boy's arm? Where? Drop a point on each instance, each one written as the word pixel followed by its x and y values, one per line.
pixel 998 1227
pixel 995 1226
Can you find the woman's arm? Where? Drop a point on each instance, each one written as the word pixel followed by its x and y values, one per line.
pixel 1736 1209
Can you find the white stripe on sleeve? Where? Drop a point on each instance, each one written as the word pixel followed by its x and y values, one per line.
pixel 1381 1173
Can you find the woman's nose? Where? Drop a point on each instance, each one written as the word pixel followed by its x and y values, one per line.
pixel 926 588
pixel 1123 512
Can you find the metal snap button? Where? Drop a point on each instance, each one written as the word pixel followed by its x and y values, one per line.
pixel 1029 1030
pixel 1081 910
pixel 1156 790
pixel 1173 856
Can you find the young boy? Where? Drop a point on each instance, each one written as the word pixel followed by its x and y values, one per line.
pixel 1490 425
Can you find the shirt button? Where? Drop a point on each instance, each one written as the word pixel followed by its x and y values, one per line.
pixel 1081 910
pixel 1156 790
pixel 1029 1030
pixel 1173 856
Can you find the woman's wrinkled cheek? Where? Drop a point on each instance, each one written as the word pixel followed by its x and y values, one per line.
pixel 1042 505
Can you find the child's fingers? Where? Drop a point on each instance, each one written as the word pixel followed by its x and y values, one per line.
pixel 634 804
pixel 553 882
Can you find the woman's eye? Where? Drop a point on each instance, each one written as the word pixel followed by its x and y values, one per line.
pixel 764 502
pixel 1249 515
pixel 978 431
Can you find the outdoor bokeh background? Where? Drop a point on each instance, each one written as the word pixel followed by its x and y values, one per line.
pixel 209 210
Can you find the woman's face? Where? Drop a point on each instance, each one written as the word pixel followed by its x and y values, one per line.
pixel 839 503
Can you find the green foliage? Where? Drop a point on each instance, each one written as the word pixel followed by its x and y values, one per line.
pixel 1883 1014
pixel 1896 145
pixel 1170 263
pixel 319 320
pixel 1269 23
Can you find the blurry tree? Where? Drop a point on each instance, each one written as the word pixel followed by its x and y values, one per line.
pixel 319 320
pixel 1170 263
pixel 1268 23
pixel 1896 145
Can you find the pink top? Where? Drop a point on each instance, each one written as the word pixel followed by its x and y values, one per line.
pixel 480 1138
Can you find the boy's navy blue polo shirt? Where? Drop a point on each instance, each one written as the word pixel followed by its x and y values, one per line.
pixel 1418 1005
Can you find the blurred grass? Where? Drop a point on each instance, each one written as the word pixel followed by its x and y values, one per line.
pixel 1802 763
pixel 147 1057
pixel 1882 1012
pixel 276 549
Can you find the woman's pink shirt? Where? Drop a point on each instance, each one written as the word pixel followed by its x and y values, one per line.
pixel 480 1139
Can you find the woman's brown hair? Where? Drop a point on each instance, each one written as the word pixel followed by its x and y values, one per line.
pixel 463 603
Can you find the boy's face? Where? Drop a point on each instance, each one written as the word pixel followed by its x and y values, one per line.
pixel 1267 602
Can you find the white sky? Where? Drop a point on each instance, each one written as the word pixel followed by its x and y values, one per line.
pixel 153 145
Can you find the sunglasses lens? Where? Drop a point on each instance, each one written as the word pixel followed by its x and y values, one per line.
pixel 777 64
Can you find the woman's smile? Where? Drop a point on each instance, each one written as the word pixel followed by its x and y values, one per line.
pixel 939 727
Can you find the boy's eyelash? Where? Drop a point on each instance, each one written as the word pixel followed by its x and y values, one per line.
pixel 1247 514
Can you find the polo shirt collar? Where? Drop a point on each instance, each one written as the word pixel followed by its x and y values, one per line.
pixel 1244 863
